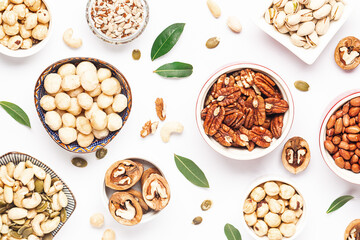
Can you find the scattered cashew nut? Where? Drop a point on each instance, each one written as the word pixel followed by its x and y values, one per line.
pixel 36 224
pixel 70 41
pixel 33 201
pixel 169 128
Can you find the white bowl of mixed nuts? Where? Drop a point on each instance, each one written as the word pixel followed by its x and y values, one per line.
pixel 311 24
pixel 274 209
pixel 339 138
pixel 244 111
pixel 25 27
pixel 117 21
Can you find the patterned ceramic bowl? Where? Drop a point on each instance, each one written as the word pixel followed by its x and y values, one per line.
pixel 40 92
pixel 17 157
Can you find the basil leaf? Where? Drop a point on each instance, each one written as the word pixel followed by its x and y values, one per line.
pixel 175 70
pixel 338 203
pixel 191 171
pixel 16 113
pixel 166 40
pixel 231 232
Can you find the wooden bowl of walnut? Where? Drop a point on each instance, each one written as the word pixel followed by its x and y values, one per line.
pixel 244 111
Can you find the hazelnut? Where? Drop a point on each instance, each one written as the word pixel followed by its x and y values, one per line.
pixel 275 206
pixel 272 219
pixel 250 219
pixel 288 230
pixel 296 202
pixel 108 235
pixel 249 206
pixel 288 216
pixel 286 191
pixel 274 234
pixel 262 210
pixel 271 188
pixel 260 228
pixel 39 32
pixel 257 194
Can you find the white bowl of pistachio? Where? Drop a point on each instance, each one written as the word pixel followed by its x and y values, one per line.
pixel 274 209
pixel 305 27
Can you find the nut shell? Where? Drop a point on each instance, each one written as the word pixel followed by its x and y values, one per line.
pixel 119 199
pixel 132 170
pixel 147 173
pixel 350 42
pixel 139 197
pixel 354 224
pixel 156 192
pixel 294 149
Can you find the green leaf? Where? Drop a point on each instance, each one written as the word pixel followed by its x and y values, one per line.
pixel 231 232
pixel 175 70
pixel 191 171
pixel 338 203
pixel 166 40
pixel 16 113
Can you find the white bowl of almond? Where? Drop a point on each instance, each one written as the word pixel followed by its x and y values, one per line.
pixel 273 209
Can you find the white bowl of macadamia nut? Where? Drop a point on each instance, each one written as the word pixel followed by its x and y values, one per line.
pixel 273 209
pixel 303 27
pixel 339 137
pixel 244 111
pixel 82 103
pixel 25 27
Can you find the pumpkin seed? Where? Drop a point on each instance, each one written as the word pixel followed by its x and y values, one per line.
pixel 101 153
pixel 197 220
pixel 55 179
pixel 136 54
pixel 21 229
pixel 39 186
pixel 212 42
pixel 2 203
pixel 42 207
pixel 19 222
pixel 54 214
pixel 79 162
pixel 63 216
pixel 15 227
pixel 206 205
pixel 26 233
pixel 302 86
pixel 48 237
pixel 15 235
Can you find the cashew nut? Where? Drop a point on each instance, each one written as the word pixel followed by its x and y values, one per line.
pixel 10 169
pixel 169 128
pixel 8 194
pixel 33 237
pixel 33 201
pixel 4 229
pixel 70 41
pixel 18 170
pixel 47 183
pixel 50 225
pixel 58 186
pixel 55 205
pixel 31 185
pixel 5 178
pixel 35 223
pixel 39 172
pixel 31 214
pixel 27 175
pixel 19 196
pixel 17 213
pixel 63 199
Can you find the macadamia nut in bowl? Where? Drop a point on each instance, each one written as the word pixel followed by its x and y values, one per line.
pixel 244 111
pixel 339 137
pixel 273 209
pixel 25 28
pixel 83 103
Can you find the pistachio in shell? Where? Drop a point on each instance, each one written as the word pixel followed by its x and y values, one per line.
pixel 125 209
pixel 123 174
pixel 296 155
pixel 147 173
pixel 139 197
pixel 347 53
pixel 156 192
pixel 352 231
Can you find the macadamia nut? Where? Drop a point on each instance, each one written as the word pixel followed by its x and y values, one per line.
pixel 249 206
pixel 48 103
pixel 296 202
pixel 67 69
pixel 109 110
pixel 260 228
pixel 94 108
pixel 67 135
pixel 97 220
pixel 39 32
pixel 89 80
pixel 262 210
pixel 272 219
pixel 274 234
pixel 114 122
pixel 53 120
pixel 74 108
pixel 271 188
pixel 257 194
pixel 108 235
pixel 68 120
pixel 96 92
pixel 83 125
pixel 99 120
pixel 286 191
pixel 110 86
pixel 100 134
pixel 85 140
pixel 52 83
pixel 103 73
pixel 120 103
pixel 250 219
pixel 62 101
pixel 104 100
pixel 74 93
pixel 85 101
pixel 70 82
pixel 288 230
pixel 85 66
pixel 43 16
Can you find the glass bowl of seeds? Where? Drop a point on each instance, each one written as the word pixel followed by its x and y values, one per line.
pixel 117 21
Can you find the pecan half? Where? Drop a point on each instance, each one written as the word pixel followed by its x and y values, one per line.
pixel 227 96
pixel 249 118
pixel 276 125
pixel 213 119
pixel 228 137
pixel 160 109
pixel 276 105
pixel 347 53
pixel 258 105
pixel 266 85
pixel 260 136
pixel 247 78
pixel 235 120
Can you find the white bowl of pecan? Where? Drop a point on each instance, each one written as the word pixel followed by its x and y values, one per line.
pixel 244 111
pixel 340 138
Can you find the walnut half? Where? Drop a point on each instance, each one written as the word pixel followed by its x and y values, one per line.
pixel 347 53
pixel 352 232
pixel 156 192
pixel 123 174
pixel 125 208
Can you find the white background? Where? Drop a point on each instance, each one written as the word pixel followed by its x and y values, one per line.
pixel 228 178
